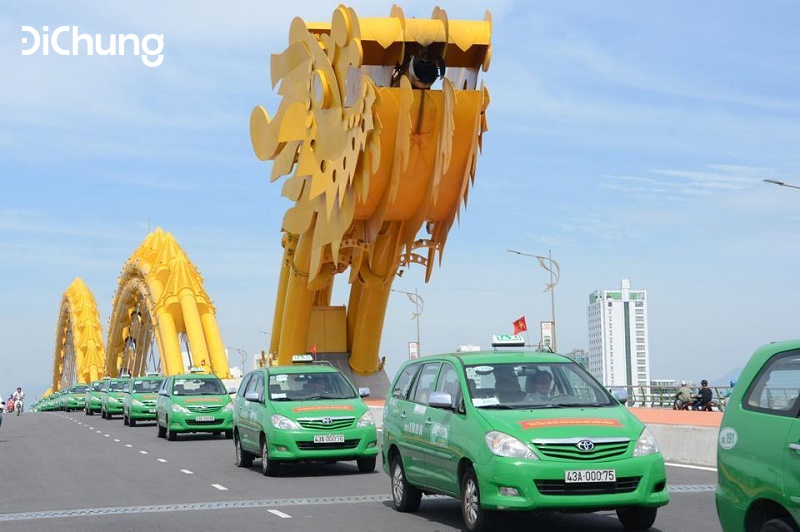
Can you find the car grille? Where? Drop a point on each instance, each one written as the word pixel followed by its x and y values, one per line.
pixel 204 408
pixel 559 487
pixel 322 423
pixel 149 402
pixel 311 446
pixel 567 449
pixel 211 422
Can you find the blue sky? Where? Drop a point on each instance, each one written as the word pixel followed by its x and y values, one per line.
pixel 630 139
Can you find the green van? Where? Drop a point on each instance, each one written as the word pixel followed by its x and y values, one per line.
pixel 758 452
pixel 193 402
pixel 302 413
pixel 521 431
pixel 94 397
pixel 111 395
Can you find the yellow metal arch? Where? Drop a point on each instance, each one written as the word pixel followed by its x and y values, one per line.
pixel 374 153
pixel 79 355
pixel 162 318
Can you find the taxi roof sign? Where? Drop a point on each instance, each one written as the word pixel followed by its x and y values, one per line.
pixel 508 340
pixel 302 359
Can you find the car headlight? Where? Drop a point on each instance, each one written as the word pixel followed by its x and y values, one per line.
pixel 179 408
pixel 284 423
pixel 113 400
pixel 367 420
pixel 228 407
pixel 646 444
pixel 136 402
pixel 502 444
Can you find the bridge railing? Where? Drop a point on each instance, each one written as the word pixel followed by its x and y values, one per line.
pixel 661 396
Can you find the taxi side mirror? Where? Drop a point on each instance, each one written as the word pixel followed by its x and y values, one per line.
pixel 253 396
pixel 441 400
pixel 163 392
pixel 364 392
pixel 231 390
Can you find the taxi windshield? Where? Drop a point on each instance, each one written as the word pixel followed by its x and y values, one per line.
pixel 534 385
pixel 117 386
pixel 309 387
pixel 198 386
pixel 96 386
pixel 79 389
pixel 144 386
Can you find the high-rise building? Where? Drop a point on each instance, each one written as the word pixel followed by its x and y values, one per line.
pixel 619 349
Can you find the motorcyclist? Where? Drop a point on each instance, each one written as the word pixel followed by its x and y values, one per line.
pixel 19 398
pixel 684 396
pixel 703 397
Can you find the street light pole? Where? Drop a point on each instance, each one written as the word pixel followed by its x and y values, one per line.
pixel 780 183
pixel 552 266
pixel 419 304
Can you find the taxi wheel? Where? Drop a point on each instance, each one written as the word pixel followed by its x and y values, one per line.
pixel 637 517
pixel 170 434
pixel 243 458
pixel 228 434
pixel 405 497
pixel 162 431
pixel 779 524
pixel 269 468
pixel 131 422
pixel 475 517
pixel 366 465
pixel 124 419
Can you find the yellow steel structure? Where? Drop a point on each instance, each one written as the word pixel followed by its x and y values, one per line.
pixel 378 131
pixel 160 299
pixel 79 355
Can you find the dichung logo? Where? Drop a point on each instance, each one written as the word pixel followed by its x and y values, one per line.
pixel 68 40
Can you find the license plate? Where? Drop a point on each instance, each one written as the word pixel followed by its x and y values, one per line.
pixel 329 438
pixel 204 418
pixel 590 475
pixel 152 410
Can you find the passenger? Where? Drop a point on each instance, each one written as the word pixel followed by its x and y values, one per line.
pixel 506 384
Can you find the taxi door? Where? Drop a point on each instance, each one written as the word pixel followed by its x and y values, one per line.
pixel 411 414
pixel 250 414
pixel 442 428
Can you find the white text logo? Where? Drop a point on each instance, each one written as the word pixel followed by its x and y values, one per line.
pixel 150 47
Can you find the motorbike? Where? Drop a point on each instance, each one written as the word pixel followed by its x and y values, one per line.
pixel 18 406
pixel 681 405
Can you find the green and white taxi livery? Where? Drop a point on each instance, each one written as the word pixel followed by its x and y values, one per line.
pixel 75 397
pixel 139 403
pixel 306 412
pixel 517 431
pixel 94 397
pixel 112 395
pixel 193 402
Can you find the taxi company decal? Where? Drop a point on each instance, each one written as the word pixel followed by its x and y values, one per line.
pixel 321 407
pixel 727 438
pixel 440 433
pixel 203 400
pixel 535 423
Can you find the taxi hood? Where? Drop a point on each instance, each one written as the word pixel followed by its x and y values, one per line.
pixel 583 422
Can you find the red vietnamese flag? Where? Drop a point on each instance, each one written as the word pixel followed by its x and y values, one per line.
pixel 520 325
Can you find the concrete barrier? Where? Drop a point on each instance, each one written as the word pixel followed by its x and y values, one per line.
pixel 686 437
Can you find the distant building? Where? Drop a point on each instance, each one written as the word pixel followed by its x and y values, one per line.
pixel 619 352
pixel 579 355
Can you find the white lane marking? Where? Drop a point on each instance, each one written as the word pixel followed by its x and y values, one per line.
pixel 128 445
pixel 161 460
pixel 91 428
pixel 107 435
pixel 143 452
pixel 220 487
pixel 99 431
pixel 687 466
pixel 116 440
pixel 186 471
pixel 280 514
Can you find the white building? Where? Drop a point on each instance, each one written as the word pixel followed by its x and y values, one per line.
pixel 619 348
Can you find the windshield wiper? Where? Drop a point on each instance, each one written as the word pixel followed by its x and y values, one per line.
pixel 580 405
pixel 498 407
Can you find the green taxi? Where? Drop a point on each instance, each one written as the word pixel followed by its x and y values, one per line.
pixel 94 397
pixel 193 402
pixel 520 431
pixel 139 401
pixel 758 451
pixel 111 396
pixel 302 413
pixel 75 397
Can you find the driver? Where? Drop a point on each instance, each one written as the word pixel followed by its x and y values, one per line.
pixel 538 386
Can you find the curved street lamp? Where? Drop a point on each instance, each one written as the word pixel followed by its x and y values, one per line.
pixel 555 272
pixel 419 304
pixel 780 183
